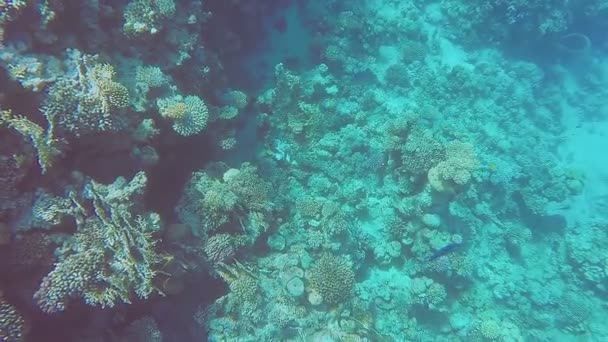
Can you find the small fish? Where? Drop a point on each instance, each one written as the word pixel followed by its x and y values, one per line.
pixel 447 249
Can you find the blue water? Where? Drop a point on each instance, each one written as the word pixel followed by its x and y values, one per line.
pixel 303 171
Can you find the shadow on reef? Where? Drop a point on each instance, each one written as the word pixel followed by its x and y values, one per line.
pixel 174 315
pixel 166 181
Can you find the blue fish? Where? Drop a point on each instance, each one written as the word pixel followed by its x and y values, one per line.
pixel 447 249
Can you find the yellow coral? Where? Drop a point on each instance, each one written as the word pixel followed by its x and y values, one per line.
pixel 175 111
pixel 118 95
pixel 44 142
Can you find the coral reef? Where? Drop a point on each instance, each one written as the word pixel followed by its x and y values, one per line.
pixel 12 324
pixel 332 279
pixel 111 258
pixel 303 171
pixel 189 114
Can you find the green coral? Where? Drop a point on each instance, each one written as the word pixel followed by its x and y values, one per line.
pixel 333 278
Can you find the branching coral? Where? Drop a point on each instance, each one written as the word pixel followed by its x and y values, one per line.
pixel 12 324
pixel 147 78
pixel 220 248
pixel 421 152
pixel 9 10
pixel 43 141
pixel 333 278
pixel 112 255
pixel 455 169
pixel 189 114
pixel 49 210
pixel 146 16
pixel 243 284
pixel 210 203
pixel 86 99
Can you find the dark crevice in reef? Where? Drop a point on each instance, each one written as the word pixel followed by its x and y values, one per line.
pixel 238 32
pixel 167 179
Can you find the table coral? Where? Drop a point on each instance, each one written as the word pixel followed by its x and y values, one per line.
pixel 111 257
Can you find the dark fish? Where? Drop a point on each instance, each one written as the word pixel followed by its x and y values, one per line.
pixel 447 249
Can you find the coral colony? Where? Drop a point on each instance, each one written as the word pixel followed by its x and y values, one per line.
pixel 305 171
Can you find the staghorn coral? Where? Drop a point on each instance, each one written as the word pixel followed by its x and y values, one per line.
pixel 145 131
pixel 333 278
pixel 583 244
pixel 189 114
pixel 207 203
pixel 251 190
pixel 228 143
pixel 490 329
pixel 516 234
pixel 236 99
pixel 574 309
pixel 228 112
pixel 308 207
pixel 111 257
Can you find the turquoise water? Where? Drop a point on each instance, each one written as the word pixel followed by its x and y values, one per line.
pixel 303 171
